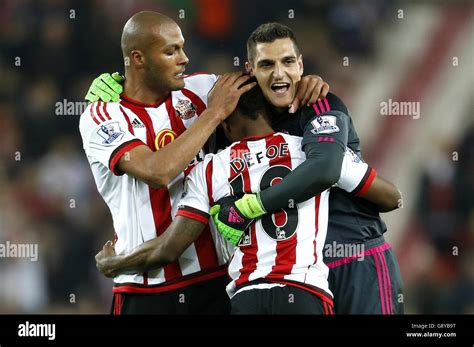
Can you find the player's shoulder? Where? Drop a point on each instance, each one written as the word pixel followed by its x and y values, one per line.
pixel 335 102
pixel 331 102
pixel 329 105
pixel 88 117
pixel 99 112
pixel 199 81
pixel 101 109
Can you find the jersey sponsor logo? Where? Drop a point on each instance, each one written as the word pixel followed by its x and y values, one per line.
pixel 137 124
pixel 164 137
pixel 185 109
pixel 324 125
pixel 110 132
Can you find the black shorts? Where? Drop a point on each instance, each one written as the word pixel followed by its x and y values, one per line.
pixel 278 300
pixel 206 297
pixel 369 286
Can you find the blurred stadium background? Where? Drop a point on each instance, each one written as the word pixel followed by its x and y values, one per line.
pixel 369 52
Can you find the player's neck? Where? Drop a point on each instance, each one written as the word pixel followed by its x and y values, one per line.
pixel 258 127
pixel 279 110
pixel 137 90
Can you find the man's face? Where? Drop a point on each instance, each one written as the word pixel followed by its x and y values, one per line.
pixel 277 70
pixel 165 60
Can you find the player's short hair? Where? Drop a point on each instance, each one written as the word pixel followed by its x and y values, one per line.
pixel 252 103
pixel 267 33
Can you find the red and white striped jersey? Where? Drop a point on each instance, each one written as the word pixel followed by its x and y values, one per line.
pixel 139 211
pixel 283 247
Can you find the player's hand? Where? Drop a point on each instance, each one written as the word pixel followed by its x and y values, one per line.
pixel 106 87
pixel 230 222
pixel 104 260
pixel 232 216
pixel 225 93
pixel 308 90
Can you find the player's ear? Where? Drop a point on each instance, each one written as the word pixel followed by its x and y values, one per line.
pixel 137 57
pixel 300 64
pixel 248 68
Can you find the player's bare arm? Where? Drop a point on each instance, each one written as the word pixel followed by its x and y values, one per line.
pixel 154 253
pixel 361 180
pixel 384 194
pixel 159 168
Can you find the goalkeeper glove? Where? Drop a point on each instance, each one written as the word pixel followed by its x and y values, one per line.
pixel 233 216
pixel 106 87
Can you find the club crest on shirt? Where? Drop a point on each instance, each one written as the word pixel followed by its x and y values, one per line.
pixel 110 132
pixel 324 125
pixel 164 137
pixel 185 109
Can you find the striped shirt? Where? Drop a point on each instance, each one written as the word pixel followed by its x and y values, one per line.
pixel 283 247
pixel 140 212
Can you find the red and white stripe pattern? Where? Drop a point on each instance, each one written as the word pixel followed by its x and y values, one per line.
pixel 139 211
pixel 99 113
pixel 292 259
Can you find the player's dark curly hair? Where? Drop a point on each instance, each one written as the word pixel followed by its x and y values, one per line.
pixel 267 33
pixel 253 103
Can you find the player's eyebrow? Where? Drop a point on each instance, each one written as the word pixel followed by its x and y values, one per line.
pixel 270 61
pixel 288 57
pixel 174 45
pixel 265 61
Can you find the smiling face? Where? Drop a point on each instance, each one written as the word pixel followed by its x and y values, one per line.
pixel 278 69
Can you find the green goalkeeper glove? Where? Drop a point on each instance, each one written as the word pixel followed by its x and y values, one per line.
pixel 106 87
pixel 251 206
pixel 233 216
